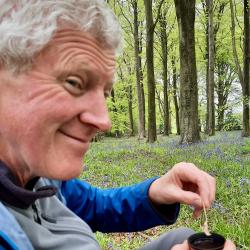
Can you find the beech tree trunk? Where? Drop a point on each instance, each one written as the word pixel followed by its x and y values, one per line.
pixel 221 102
pixel 246 69
pixel 130 110
pixel 163 35
pixel 206 57
pixel 130 104
pixel 175 97
pixel 245 87
pixel 185 11
pixel 139 77
pixel 150 71
pixel 210 94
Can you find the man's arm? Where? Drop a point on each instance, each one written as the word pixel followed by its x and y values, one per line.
pixel 122 209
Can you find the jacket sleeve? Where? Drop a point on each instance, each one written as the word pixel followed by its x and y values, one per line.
pixel 124 209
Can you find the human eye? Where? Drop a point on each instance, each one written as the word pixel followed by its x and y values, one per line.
pixel 74 85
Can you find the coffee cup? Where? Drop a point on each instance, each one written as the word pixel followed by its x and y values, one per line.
pixel 201 241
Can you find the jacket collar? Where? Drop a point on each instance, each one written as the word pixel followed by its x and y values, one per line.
pixel 13 194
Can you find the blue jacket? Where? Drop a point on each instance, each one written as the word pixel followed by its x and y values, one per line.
pixel 124 209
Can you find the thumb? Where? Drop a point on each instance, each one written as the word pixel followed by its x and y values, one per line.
pixel 229 245
pixel 183 246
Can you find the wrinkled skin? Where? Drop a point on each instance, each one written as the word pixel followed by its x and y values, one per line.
pixel 49 114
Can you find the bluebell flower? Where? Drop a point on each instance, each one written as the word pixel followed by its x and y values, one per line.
pixel 228 183
pixel 110 246
pixel 244 181
pixel 219 207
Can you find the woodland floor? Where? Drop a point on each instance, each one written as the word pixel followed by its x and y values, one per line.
pixel 124 161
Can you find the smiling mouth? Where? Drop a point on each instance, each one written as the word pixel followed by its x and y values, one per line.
pixel 74 137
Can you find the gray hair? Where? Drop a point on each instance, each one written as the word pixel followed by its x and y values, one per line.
pixel 27 26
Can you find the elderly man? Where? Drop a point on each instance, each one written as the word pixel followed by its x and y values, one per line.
pixel 57 64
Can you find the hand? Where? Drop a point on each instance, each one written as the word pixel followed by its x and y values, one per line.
pixel 184 246
pixel 184 183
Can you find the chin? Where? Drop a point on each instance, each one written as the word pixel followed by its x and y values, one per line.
pixel 73 173
pixel 67 176
pixel 67 170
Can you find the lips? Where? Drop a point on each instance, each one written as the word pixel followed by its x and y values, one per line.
pixel 77 138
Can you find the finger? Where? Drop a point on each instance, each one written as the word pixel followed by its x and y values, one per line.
pixel 206 187
pixel 211 197
pixel 188 198
pixel 229 245
pixel 183 246
pixel 177 247
pixel 197 213
pixel 208 193
pixel 207 198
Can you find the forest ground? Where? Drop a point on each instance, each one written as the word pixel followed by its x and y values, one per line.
pixel 124 161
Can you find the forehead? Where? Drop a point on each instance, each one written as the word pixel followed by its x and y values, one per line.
pixel 76 50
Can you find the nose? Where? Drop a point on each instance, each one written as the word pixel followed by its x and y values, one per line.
pixel 96 112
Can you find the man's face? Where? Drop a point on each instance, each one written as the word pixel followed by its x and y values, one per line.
pixel 49 115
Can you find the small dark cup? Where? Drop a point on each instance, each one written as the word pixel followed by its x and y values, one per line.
pixel 200 241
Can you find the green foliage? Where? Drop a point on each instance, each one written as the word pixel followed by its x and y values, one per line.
pixel 118 162
pixel 126 61
pixel 246 147
pixel 232 122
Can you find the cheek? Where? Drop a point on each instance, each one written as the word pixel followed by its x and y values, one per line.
pixel 9 129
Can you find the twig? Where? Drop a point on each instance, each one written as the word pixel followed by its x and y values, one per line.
pixel 205 225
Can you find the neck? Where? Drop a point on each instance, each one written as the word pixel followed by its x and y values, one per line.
pixel 21 173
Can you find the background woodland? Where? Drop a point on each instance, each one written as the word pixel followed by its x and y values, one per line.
pixel 183 69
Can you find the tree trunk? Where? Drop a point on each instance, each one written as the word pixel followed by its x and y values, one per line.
pixel 175 97
pixel 160 104
pixel 139 78
pixel 221 107
pixel 245 88
pixel 185 11
pixel 206 57
pixel 163 36
pixel 211 110
pixel 130 103
pixel 170 117
pixel 150 71
pixel 246 131
pixel 130 110
pixel 129 93
pixel 143 109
